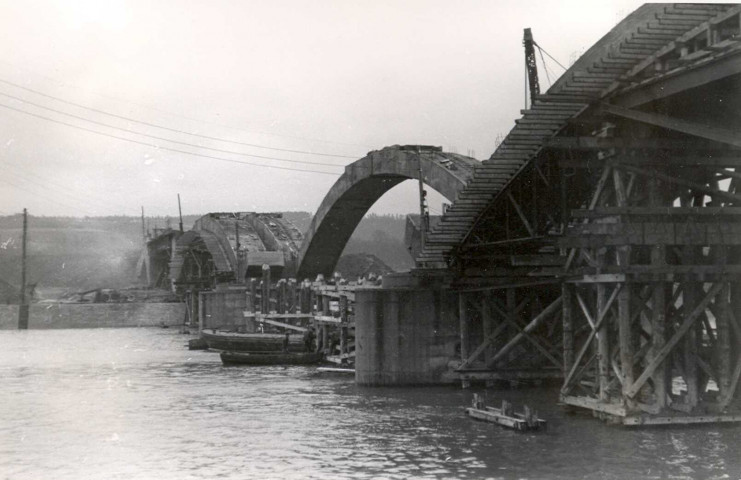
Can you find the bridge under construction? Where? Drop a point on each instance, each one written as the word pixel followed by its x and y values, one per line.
pixel 599 245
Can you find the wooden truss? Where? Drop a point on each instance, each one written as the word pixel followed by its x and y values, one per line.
pixel 651 294
pixel 510 334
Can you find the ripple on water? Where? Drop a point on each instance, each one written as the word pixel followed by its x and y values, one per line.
pixel 135 404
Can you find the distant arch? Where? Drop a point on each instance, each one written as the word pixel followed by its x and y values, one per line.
pixel 362 184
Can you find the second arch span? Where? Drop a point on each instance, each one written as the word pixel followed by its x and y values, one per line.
pixel 362 184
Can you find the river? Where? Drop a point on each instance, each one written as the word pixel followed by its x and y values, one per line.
pixel 136 404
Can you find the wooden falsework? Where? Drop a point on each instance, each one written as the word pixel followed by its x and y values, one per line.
pixel 637 228
pixel 664 293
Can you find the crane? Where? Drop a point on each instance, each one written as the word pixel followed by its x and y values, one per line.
pixel 530 66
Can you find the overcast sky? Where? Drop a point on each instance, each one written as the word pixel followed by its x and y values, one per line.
pixel 331 77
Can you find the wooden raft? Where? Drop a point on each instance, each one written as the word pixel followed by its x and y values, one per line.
pixel 506 417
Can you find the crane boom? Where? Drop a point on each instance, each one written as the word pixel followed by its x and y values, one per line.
pixel 530 65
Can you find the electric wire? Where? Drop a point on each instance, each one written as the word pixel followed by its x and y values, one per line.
pixel 172 114
pixel 29 177
pixel 56 201
pixel 84 119
pixel 175 130
pixel 158 147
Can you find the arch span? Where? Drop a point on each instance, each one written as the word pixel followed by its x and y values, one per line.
pixel 364 182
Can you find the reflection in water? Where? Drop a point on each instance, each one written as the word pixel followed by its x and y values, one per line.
pixel 136 404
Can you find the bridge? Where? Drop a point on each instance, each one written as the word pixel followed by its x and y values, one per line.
pixel 226 247
pixel 600 244
pixel 362 184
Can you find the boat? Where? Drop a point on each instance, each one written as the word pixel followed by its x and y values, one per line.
pixel 251 342
pixel 270 358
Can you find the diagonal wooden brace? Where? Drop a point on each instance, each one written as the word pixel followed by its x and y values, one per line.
pixel 667 348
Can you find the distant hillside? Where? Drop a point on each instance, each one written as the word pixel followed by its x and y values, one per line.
pixel 92 252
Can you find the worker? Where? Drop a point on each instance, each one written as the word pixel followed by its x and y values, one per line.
pixel 286 341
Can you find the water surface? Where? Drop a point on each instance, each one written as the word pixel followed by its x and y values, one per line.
pixel 136 404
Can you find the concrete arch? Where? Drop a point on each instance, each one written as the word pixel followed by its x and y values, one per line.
pixel 362 184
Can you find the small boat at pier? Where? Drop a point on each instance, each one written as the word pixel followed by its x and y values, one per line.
pixel 252 342
pixel 270 358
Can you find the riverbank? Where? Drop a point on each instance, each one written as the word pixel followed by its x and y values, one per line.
pixel 95 315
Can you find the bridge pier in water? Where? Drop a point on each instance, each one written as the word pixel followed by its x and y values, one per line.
pixel 405 335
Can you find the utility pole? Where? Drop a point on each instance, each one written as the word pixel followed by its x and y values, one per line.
pixel 144 228
pixel 23 307
pixel 180 212
pixel 236 252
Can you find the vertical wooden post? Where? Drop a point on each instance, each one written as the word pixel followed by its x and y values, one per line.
pixel 325 339
pixel 343 325
pixel 661 380
pixel 722 326
pixel 249 305
pixel 23 307
pixel 464 324
pixel 265 290
pixel 280 296
pixel 292 296
pixel 690 298
pixel 305 297
pixel 603 339
pixel 567 318
pixel 626 341
pixel 202 322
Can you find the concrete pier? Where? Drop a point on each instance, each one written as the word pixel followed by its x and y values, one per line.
pixel 404 336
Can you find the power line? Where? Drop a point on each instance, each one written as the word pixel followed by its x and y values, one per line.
pixel 60 112
pixel 184 152
pixel 128 119
pixel 28 177
pixel 40 195
pixel 172 114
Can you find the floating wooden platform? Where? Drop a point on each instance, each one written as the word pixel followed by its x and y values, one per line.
pixel 516 422
pixel 506 417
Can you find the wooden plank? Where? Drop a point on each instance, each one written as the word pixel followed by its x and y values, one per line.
pixel 594 404
pixel 717 134
pixel 276 323
pixel 598 212
pixel 680 419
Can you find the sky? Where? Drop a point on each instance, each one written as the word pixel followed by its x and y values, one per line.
pixel 110 106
